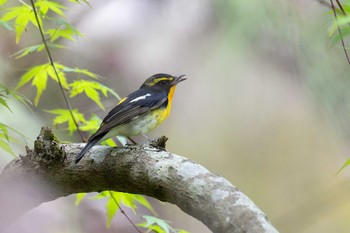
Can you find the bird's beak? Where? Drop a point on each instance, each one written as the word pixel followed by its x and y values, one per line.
pixel 179 79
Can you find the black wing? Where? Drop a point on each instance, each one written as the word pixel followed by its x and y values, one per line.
pixel 138 103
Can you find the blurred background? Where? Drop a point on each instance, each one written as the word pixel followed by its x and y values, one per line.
pixel 266 104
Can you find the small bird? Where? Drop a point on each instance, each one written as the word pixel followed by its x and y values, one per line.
pixel 139 112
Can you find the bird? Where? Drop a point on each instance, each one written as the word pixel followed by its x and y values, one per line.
pixel 139 112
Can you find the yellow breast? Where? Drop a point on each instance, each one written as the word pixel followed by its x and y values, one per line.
pixel 162 114
pixel 144 124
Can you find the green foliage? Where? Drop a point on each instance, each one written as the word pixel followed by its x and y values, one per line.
pixel 158 225
pixel 79 198
pixel 64 30
pixel 44 6
pixel 35 48
pixel 4 103
pixel 6 25
pixel 64 116
pixel 93 124
pixel 342 21
pixel 38 76
pixel 2 2
pixel 5 137
pixel 6 92
pixel 152 223
pixel 347 163
pixel 50 19
pixel 116 199
pixel 80 71
pixel 21 15
pixel 90 88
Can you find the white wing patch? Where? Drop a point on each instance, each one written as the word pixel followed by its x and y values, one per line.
pixel 140 98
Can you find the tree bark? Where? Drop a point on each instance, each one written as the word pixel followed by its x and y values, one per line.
pixel 48 172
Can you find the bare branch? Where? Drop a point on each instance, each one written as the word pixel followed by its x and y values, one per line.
pixel 48 172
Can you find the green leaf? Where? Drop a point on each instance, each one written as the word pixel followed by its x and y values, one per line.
pixel 79 198
pixel 143 201
pixel 4 129
pixel 21 24
pixel 109 142
pixel 22 99
pixel 151 222
pixel 19 97
pixel 22 15
pixel 111 205
pixel 90 88
pixel 27 76
pixel 347 163
pixel 61 74
pixel 64 30
pixel 341 21
pixel 4 103
pixel 101 195
pixel 81 71
pixel 95 96
pixel 2 2
pixel 115 199
pixel 35 48
pixel 336 37
pixel 40 81
pixel 6 147
pixel 158 225
pixel 57 33
pixel 26 51
pixel 84 1
pixel 64 116
pixel 6 25
pixel 181 231
pixel 45 5
pixel 131 201
pixel 127 200
pixel 38 75
pixel 111 209
pixel 92 124
pixel 5 139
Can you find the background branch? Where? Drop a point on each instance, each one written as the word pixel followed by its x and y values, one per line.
pixel 48 172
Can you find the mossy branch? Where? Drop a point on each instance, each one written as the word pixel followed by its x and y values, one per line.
pixel 48 172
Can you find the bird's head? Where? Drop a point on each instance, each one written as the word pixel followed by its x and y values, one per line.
pixel 162 81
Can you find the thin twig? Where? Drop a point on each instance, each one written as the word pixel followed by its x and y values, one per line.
pixel 339 30
pixel 54 68
pixel 67 103
pixel 340 7
pixel 123 212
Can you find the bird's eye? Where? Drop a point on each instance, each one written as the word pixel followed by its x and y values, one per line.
pixel 163 82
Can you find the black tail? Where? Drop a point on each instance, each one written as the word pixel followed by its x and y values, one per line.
pixel 87 147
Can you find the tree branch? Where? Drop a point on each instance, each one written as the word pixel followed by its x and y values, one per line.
pixel 48 172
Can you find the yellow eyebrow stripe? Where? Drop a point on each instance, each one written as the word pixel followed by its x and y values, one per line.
pixel 158 80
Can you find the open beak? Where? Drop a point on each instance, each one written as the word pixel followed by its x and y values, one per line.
pixel 179 79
